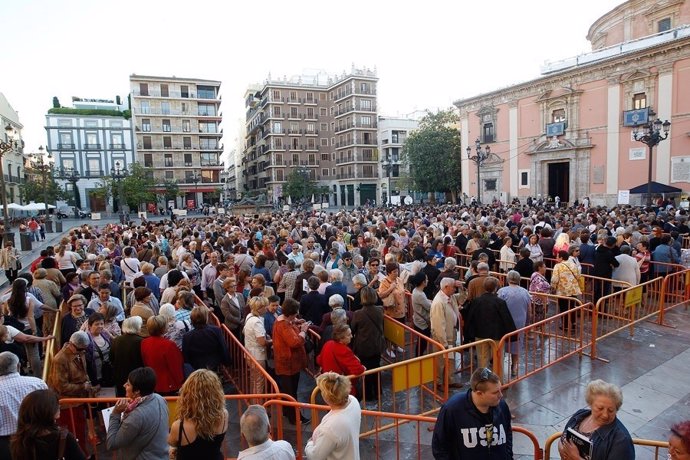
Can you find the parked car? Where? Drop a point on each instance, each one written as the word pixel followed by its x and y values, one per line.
pixel 69 211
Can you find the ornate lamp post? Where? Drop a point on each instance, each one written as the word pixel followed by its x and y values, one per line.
pixel 6 146
pixel 118 174
pixel 388 168
pixel 653 132
pixel 45 169
pixel 479 158
pixel 71 175
pixel 195 180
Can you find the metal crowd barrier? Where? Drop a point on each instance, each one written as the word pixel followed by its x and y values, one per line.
pixel 88 410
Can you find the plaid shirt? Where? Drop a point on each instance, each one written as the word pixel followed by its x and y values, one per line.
pixel 13 388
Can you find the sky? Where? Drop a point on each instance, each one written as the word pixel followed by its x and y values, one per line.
pixel 426 54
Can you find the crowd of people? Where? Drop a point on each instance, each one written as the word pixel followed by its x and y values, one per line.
pixel 143 295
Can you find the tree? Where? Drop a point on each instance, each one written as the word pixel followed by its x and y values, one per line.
pixel 138 187
pixel 299 185
pixel 33 190
pixel 433 153
pixel 170 191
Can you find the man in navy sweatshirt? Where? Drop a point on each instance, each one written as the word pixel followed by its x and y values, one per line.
pixel 475 424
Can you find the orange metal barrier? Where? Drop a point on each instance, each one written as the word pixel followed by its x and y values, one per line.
pixel 417 386
pixel 52 346
pixel 657 445
pixel 89 410
pixel 406 338
pixel 543 344
pixel 663 268
pixel 618 311
pixel 675 291
pixel 243 363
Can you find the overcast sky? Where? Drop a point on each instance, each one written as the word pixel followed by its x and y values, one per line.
pixel 427 53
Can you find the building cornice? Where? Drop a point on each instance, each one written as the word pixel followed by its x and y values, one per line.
pixel 612 69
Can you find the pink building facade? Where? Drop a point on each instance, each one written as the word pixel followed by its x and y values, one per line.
pixel 567 133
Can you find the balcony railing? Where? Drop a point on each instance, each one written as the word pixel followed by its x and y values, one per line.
pixel 65 146
pixel 117 146
pixel 347 126
pixel 93 173
pixel 92 146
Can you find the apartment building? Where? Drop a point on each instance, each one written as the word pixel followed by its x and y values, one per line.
pixel 12 161
pixel 88 141
pixel 177 129
pixel 393 132
pixel 323 127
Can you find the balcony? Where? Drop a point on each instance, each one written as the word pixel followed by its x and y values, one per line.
pixel 345 176
pixel 347 126
pixel 169 95
pixel 118 146
pixel 92 174
pixel 92 146
pixel 65 146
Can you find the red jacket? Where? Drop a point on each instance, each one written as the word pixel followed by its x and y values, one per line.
pixel 163 356
pixel 337 357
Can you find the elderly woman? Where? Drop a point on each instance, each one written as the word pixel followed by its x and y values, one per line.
pixel 358 281
pixel 78 315
pixel 610 439
pixel 204 346
pixel 336 355
pixel 289 335
pixel 258 281
pixel 679 441
pixel 98 363
pixel 565 283
pixel 535 251
pixel 538 286
pixel 175 329
pixel 421 305
pixel 337 436
pixel 507 261
pixel 256 341
pixel 369 343
pixel 190 266
pixel 142 305
pixel 138 426
pixel 125 353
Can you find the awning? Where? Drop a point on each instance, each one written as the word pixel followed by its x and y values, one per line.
pixel 656 188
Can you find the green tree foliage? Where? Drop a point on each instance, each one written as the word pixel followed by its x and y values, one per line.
pixel 33 190
pixel 170 190
pixel 137 189
pixel 299 186
pixel 433 154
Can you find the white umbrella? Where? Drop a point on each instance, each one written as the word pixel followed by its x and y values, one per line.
pixel 15 206
pixel 35 207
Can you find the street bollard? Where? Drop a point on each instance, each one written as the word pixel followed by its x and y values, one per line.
pixel 25 241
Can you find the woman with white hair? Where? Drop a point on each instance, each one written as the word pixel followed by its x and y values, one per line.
pixel 358 281
pixel 176 328
pixel 599 422
pixel 125 353
pixel 257 341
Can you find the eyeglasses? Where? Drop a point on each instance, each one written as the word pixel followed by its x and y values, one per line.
pixel 485 374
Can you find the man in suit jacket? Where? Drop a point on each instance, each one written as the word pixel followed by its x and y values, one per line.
pixel 313 305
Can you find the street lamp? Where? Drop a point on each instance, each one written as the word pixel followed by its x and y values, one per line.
pixel 44 168
pixel 71 175
pixel 388 168
pixel 651 135
pixel 479 158
pixel 118 174
pixel 195 180
pixel 6 146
